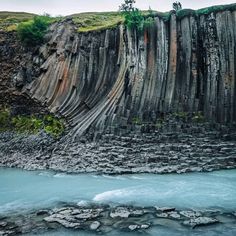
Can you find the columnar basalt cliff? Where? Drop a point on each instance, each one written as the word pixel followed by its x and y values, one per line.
pixel 133 101
pixel 108 78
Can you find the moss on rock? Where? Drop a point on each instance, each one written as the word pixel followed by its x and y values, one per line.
pixel 30 124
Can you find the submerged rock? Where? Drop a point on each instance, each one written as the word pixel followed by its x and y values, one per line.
pixel 190 214
pixel 200 221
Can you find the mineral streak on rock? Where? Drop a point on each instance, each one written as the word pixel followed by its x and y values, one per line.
pixel 107 78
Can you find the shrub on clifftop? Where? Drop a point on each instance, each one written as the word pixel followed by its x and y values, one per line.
pixel 133 16
pixel 32 32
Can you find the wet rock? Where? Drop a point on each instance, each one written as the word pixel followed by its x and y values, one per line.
pixel 145 226
pixel 42 212
pixel 137 227
pixel 165 209
pixel 86 213
pixel 3 224
pixel 121 212
pixel 7 233
pixel 67 222
pixel 162 215
pixel 95 225
pixel 190 214
pixel 200 221
pixel 134 227
pixel 174 215
pixel 123 219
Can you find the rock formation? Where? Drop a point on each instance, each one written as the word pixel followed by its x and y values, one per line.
pixel 117 85
pixel 108 78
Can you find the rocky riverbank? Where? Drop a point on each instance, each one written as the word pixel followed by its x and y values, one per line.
pixel 174 147
pixel 105 218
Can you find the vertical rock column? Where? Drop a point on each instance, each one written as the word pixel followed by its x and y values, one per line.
pixel 171 76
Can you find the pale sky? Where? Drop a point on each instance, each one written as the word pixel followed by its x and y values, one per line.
pixel 67 7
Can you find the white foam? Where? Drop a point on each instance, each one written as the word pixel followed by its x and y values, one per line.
pixel 113 194
pixel 61 175
pixel 114 177
pixel 83 203
pixel 47 174
pixel 137 177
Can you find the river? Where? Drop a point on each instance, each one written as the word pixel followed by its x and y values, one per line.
pixel 26 190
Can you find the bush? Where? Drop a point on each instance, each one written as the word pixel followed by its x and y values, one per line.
pixel 134 19
pixel 32 32
pixel 53 126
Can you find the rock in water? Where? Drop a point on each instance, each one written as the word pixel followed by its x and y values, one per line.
pixel 200 221
pixel 95 225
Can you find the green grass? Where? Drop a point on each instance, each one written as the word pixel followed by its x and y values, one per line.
pixel 32 32
pixel 30 124
pixel 92 21
pixel 10 20
pixel 96 21
pixel 206 11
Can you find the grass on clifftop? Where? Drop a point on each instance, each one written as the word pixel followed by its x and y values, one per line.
pixel 32 32
pixel 10 20
pixel 95 21
pixel 206 11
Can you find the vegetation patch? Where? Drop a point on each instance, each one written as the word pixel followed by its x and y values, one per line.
pixel 30 124
pixel 136 121
pixel 185 12
pixel 159 123
pixel 5 119
pixel 135 18
pixel 32 32
pixel 10 20
pixel 215 9
pixel 181 115
pixel 205 11
pixel 87 22
pixel 198 117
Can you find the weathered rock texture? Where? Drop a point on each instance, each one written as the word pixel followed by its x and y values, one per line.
pixel 16 70
pixel 113 77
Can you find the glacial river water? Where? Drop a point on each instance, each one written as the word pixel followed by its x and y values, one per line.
pixel 24 190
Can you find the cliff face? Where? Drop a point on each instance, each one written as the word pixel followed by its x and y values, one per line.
pixel 110 78
pixel 16 70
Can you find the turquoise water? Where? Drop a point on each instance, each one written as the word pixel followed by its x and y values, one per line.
pixel 26 190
